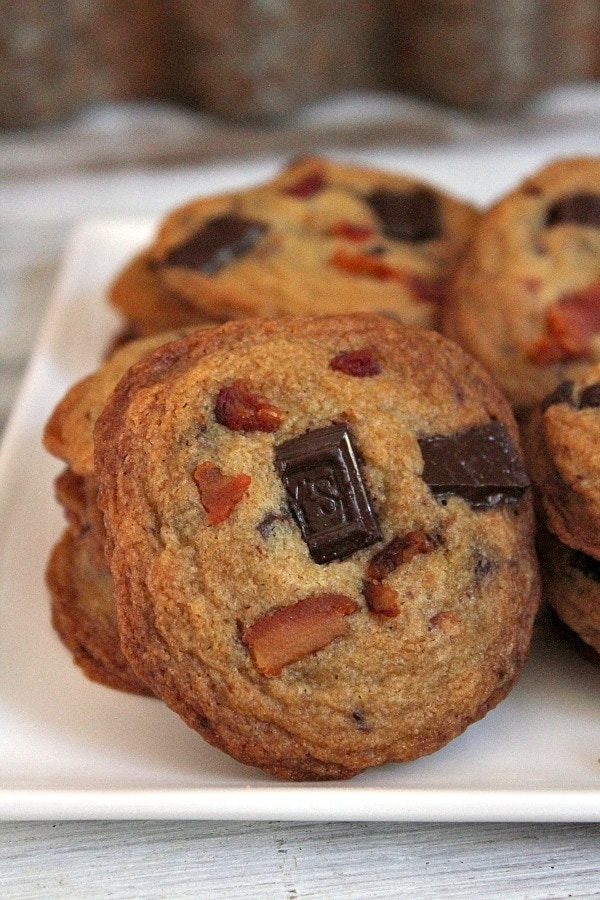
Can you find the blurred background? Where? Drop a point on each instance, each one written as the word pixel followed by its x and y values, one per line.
pixel 263 59
pixel 115 109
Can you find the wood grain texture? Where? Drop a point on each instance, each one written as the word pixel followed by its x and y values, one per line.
pixel 297 861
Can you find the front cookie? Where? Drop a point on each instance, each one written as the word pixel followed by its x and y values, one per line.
pixel 293 576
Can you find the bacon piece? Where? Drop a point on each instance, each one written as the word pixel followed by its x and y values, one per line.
pixel 307 186
pixel 362 264
pixel 351 231
pixel 381 598
pixel 375 267
pixel 240 409
pixel 358 363
pixel 401 549
pixel 569 326
pixel 219 493
pixel 295 631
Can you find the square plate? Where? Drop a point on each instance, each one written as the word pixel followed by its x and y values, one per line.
pixel 70 749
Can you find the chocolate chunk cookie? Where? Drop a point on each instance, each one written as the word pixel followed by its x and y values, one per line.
pixel 147 305
pixel 562 439
pixel 291 576
pixel 320 238
pixel 563 436
pixel 80 584
pixel 525 299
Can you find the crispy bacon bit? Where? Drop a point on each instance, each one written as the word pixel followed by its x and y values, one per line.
pixel 401 549
pixel 375 267
pixel 358 363
pixel 351 231
pixel 570 324
pixel 219 493
pixel 240 409
pixel 295 631
pixel 446 621
pixel 362 264
pixel 308 186
pixel 381 598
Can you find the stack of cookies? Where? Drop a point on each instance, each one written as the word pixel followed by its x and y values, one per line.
pixel 78 576
pixel 310 531
pixel 563 435
pixel 320 537
pixel 525 300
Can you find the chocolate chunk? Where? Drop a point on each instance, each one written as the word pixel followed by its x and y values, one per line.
pixel 563 393
pixel 326 493
pixel 586 564
pixel 413 216
pixel 481 465
pixel 217 244
pixel 578 209
pixel 590 397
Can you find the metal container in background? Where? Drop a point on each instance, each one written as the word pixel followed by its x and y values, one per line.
pixel 493 54
pixel 59 55
pixel 264 59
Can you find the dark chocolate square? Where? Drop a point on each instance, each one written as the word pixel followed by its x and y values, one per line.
pixel 480 464
pixel 326 493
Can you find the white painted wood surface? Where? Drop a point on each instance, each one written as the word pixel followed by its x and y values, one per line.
pixel 231 860
pixel 227 861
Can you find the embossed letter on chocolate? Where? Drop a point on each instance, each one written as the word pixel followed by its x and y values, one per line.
pixel 326 493
pixel 221 241
pixel 481 465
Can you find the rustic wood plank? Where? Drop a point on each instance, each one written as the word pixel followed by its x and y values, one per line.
pixel 288 861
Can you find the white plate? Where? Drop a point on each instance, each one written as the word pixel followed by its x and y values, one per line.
pixel 73 749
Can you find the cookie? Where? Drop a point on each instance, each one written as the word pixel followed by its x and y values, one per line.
pixel 321 536
pixel 80 584
pixel 571 587
pixel 525 299
pixel 84 615
pixel 563 435
pixel 147 305
pixel 561 439
pixel 68 433
pixel 320 238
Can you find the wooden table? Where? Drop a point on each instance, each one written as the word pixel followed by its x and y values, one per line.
pixel 138 165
